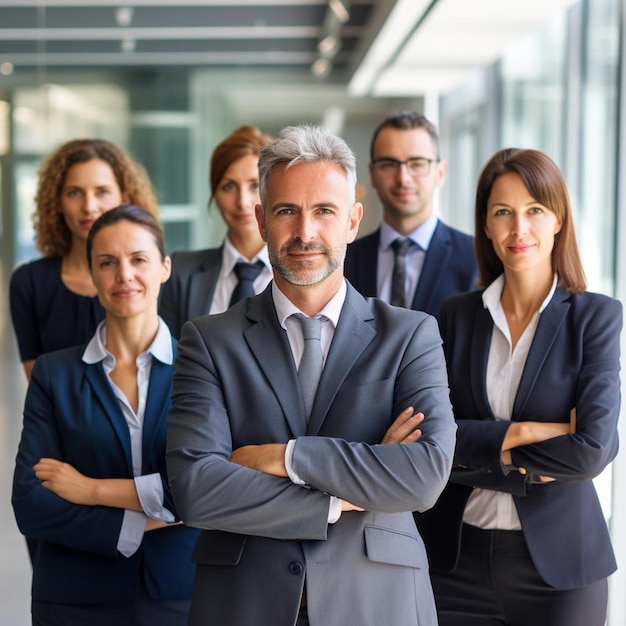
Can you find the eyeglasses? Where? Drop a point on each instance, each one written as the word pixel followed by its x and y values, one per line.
pixel 417 167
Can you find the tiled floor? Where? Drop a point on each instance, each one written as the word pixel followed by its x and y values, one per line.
pixel 14 566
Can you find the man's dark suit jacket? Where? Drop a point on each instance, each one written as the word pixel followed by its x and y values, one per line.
pixel 72 414
pixel 573 363
pixel 235 384
pixel 449 267
pixel 189 291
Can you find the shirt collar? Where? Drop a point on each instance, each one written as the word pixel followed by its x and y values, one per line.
pixel 285 308
pixel 492 296
pixel 231 256
pixel 160 348
pixel 421 235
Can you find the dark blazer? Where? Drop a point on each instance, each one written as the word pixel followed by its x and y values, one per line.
pixel 72 414
pixel 573 362
pixel 235 383
pixel 189 291
pixel 449 267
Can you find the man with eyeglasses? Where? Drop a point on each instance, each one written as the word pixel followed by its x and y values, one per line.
pixel 413 260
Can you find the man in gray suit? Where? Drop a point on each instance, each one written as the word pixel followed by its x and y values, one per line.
pixel 306 514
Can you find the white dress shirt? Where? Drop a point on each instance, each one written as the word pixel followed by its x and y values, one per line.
pixel 285 309
pixel 149 487
pixel 485 508
pixel 227 280
pixel 415 256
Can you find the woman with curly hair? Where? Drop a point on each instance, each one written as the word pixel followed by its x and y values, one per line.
pixel 53 299
pixel 212 280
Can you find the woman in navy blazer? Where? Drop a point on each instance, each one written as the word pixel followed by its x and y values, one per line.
pixel 90 481
pixel 204 281
pixel 518 536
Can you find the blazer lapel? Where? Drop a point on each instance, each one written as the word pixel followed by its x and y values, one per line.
pixel 437 257
pixel 157 403
pixel 202 283
pixel 111 408
pixel 481 341
pixel 550 321
pixel 268 343
pixel 352 336
pixel 367 264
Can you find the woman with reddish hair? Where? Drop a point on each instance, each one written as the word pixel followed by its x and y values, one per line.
pixel 212 280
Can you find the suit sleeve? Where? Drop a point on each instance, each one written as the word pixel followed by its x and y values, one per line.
pixel 582 455
pixel 39 512
pixel 211 492
pixel 397 477
pixel 170 301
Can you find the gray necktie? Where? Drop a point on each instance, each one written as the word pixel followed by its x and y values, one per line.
pixel 400 248
pixel 312 360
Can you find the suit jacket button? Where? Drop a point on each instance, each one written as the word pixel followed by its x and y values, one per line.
pixel 295 568
pixel 522 471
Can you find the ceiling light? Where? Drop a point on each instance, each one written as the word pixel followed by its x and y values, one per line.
pixel 329 46
pixel 340 9
pixel 6 68
pixel 124 16
pixel 128 45
pixel 321 67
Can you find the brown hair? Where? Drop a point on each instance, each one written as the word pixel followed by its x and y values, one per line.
pixel 127 213
pixel 52 236
pixel 241 142
pixel 406 120
pixel 546 184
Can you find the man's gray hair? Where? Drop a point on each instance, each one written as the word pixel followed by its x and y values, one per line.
pixel 306 144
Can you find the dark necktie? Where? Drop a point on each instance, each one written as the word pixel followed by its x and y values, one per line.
pixel 246 275
pixel 400 248
pixel 312 361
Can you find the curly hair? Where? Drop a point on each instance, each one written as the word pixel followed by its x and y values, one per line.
pixel 52 236
pixel 241 142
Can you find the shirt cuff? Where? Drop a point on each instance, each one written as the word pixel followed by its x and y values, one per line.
pixel 334 510
pixel 150 494
pixel 131 533
pixel 293 476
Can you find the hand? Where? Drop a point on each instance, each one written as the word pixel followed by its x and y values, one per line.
pixel 348 506
pixel 68 483
pixel 153 524
pixel 404 428
pixel 267 457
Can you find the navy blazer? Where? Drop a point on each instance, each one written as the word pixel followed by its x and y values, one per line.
pixel 189 291
pixel 573 363
pixel 449 267
pixel 72 414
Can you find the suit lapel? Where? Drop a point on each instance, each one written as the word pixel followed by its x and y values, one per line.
pixel 550 321
pixel 352 336
pixel 437 257
pixel 111 408
pixel 157 403
pixel 268 343
pixel 202 283
pixel 367 264
pixel 481 341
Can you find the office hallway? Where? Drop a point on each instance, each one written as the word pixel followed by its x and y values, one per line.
pixel 15 570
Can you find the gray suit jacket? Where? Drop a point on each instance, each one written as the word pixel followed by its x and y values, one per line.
pixel 235 383
pixel 189 291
